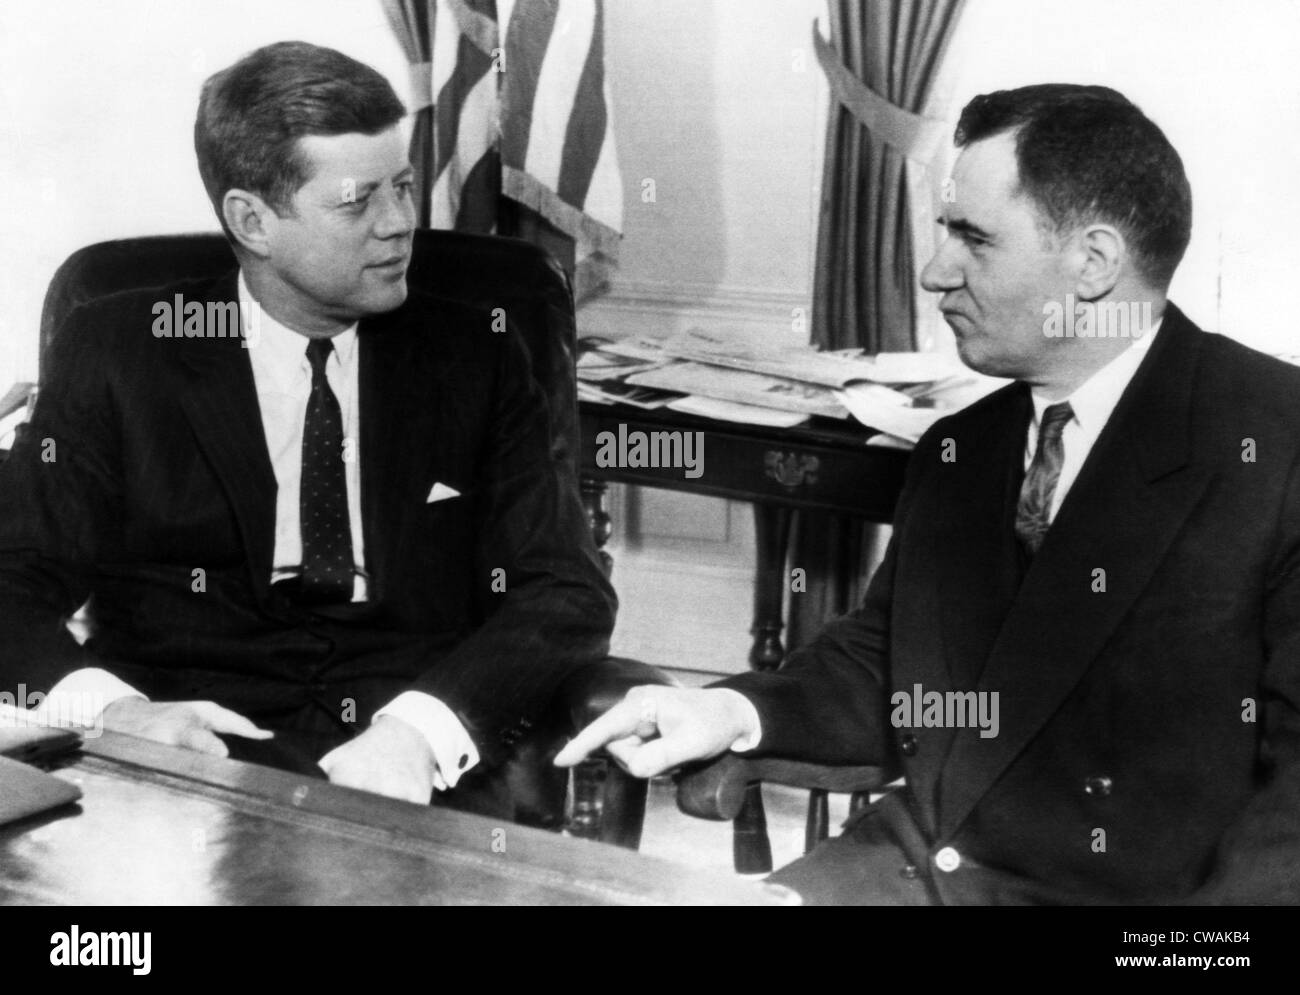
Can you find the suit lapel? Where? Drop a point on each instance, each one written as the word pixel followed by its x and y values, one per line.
pixel 222 408
pixel 398 396
pixel 981 569
pixel 971 563
pixel 1131 498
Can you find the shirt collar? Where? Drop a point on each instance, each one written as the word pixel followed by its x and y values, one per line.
pixel 282 352
pixel 1095 398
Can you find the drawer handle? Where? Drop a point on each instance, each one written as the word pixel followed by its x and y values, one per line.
pixel 790 470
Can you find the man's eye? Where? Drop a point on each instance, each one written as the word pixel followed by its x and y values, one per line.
pixel 359 204
pixel 405 187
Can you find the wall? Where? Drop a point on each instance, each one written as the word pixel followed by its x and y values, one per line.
pixel 722 106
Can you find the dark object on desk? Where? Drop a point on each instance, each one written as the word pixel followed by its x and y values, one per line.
pixel 486 273
pixel 26 791
pixel 36 744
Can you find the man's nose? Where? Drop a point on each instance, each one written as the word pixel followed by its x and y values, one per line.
pixel 941 273
pixel 397 217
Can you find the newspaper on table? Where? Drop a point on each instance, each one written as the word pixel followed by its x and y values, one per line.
pixel 826 369
pixel 901 394
pixel 744 414
pixel 758 389
pixel 618 392
pixel 906 423
pixel 602 377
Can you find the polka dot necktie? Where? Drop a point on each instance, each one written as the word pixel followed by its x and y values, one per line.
pixel 323 496
pixel 1033 513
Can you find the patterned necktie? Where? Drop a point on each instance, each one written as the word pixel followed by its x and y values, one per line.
pixel 323 494
pixel 1033 512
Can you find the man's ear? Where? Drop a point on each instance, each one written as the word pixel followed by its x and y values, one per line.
pixel 249 218
pixel 1104 252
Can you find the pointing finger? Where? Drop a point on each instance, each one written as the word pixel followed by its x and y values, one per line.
pixel 623 720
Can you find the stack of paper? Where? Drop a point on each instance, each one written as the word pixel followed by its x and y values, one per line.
pixel 719 376
pixel 602 377
pixel 758 389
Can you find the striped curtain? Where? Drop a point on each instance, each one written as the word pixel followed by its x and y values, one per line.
pixel 520 140
pixel 881 63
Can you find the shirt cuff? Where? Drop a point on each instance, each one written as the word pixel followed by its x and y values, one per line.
pixel 750 739
pixel 454 751
pixel 80 698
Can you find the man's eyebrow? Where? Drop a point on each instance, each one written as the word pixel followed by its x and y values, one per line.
pixel 961 226
pixel 365 189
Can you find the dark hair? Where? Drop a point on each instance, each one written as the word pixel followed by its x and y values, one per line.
pixel 1087 153
pixel 252 114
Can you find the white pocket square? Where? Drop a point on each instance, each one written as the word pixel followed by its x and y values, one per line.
pixel 441 492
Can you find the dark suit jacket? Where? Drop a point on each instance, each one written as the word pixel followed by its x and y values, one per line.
pixel 1120 710
pixel 160 469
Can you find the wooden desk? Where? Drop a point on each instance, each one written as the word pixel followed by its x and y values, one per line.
pixel 160 825
pixel 822 466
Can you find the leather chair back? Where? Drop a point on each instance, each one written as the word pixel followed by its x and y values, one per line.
pixel 487 271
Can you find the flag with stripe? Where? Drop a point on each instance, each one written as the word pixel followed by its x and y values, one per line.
pixel 521 110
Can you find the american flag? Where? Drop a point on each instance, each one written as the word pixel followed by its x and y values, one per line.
pixel 523 113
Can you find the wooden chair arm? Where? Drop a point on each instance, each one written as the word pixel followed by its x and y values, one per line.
pixel 590 692
pixel 608 803
pixel 716 789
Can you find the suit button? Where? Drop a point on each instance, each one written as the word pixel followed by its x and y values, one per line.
pixel 947 860
pixel 909 871
pixel 1098 786
pixel 907 745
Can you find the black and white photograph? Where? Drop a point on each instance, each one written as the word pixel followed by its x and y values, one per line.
pixel 654 453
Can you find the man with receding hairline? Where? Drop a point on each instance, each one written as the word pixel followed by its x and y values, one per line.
pixel 1111 545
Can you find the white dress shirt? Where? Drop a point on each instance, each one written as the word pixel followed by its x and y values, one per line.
pixel 282 378
pixel 1092 402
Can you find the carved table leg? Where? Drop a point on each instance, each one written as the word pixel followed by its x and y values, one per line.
pixel 593 502
pixel 752 850
pixel 818 828
pixel 772 526
pixel 588 793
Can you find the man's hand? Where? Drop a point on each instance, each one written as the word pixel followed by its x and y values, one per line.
pixel 689 724
pixel 191 724
pixel 390 758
